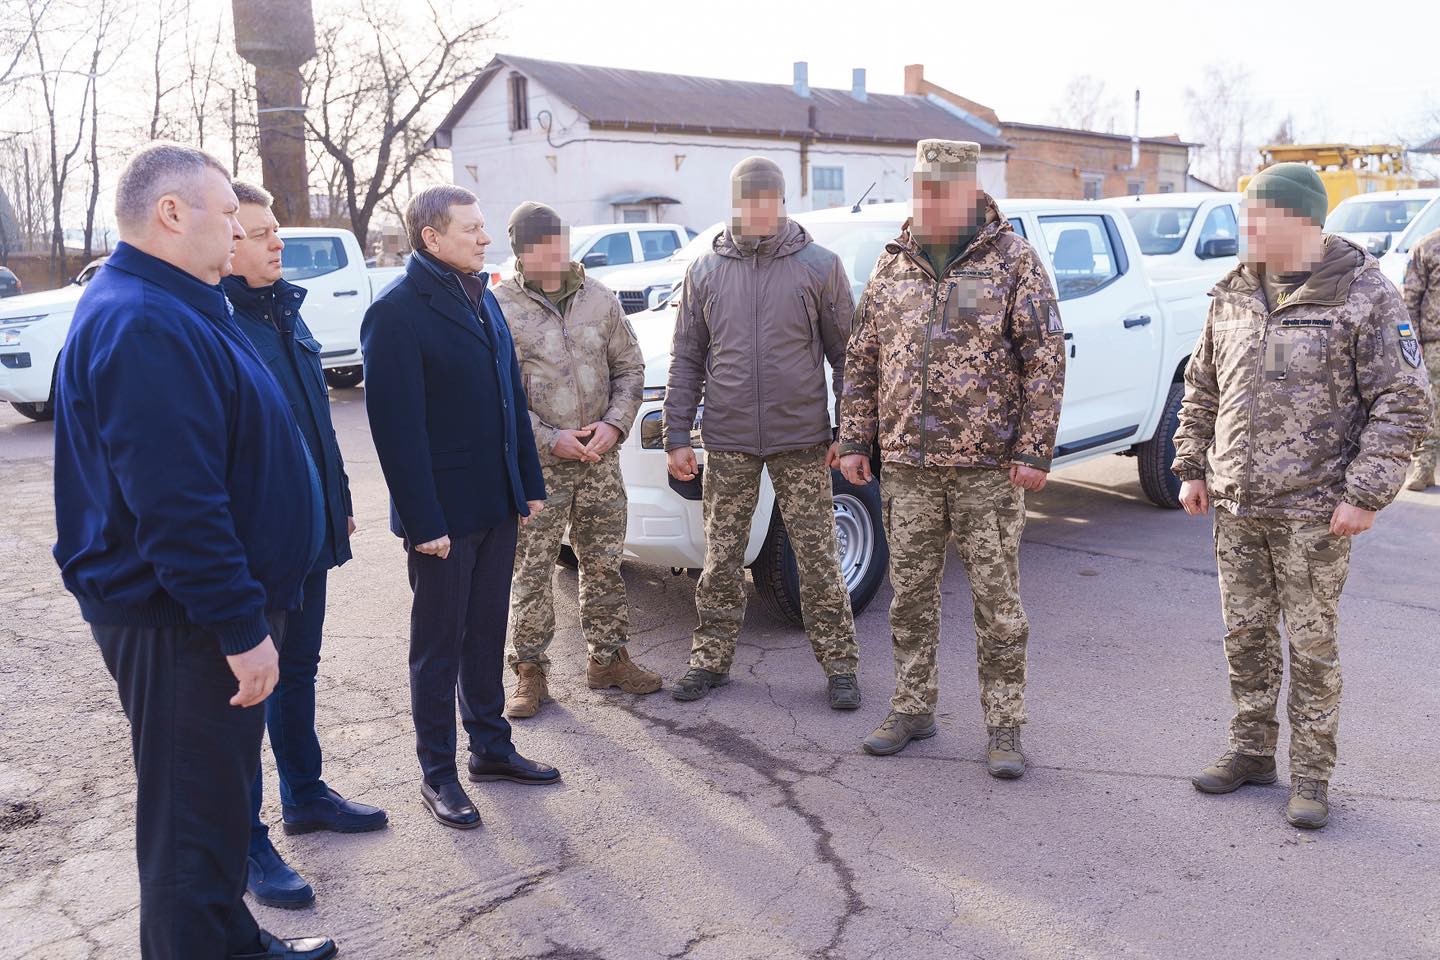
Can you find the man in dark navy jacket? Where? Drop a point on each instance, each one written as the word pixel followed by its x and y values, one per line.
pixel 188 515
pixel 267 310
pixel 451 425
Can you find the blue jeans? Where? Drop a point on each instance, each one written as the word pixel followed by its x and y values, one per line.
pixel 290 711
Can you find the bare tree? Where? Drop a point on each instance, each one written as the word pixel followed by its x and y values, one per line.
pixel 1086 105
pixel 379 73
pixel 1225 116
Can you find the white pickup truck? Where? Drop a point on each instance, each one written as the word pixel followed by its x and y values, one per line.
pixel 327 262
pixel 1127 340
pixel 1186 235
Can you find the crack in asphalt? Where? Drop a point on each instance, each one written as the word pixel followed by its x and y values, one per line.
pixel 735 745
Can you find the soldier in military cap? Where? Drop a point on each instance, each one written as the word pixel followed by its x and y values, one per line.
pixel 1422 299
pixel 1304 399
pixel 956 368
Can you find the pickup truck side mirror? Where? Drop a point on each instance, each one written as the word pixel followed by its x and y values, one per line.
pixel 1379 245
pixel 597 259
pixel 1219 247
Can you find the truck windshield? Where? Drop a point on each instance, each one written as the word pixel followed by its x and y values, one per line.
pixel 1421 226
pixel 1160 230
pixel 1374 216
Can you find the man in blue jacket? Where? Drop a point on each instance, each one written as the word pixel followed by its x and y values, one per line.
pixel 189 514
pixel 267 310
pixel 452 427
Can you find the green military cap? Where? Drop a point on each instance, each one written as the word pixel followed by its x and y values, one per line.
pixel 945 159
pixel 1293 187
pixel 756 175
pixel 533 222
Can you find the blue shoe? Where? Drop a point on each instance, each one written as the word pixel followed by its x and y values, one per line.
pixel 332 812
pixel 273 883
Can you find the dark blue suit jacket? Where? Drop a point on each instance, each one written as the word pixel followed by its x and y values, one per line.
pixel 447 410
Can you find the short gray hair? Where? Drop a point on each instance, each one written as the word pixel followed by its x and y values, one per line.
pixel 431 208
pixel 247 192
pixel 156 170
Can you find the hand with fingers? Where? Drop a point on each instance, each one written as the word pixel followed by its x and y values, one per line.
pixel 257 670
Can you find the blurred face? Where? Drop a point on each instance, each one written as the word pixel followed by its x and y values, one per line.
pixel 944 207
pixel 1278 240
pixel 758 216
pixel 464 242
pixel 200 237
pixel 548 257
pixel 257 254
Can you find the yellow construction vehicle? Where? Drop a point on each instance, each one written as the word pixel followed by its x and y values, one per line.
pixel 1346 169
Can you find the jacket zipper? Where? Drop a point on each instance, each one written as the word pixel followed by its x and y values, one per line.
pixel 759 414
pixel 925 370
pixel 1250 426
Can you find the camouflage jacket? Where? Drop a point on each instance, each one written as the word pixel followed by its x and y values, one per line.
pixel 967 371
pixel 1287 413
pixel 1422 287
pixel 577 369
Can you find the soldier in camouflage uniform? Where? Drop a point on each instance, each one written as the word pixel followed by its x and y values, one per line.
pixel 1304 400
pixel 1422 299
pixel 957 365
pixel 583 372
pixel 758 318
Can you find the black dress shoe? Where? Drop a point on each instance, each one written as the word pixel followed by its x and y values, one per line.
pixel 450 805
pixel 514 768
pixel 332 812
pixel 302 948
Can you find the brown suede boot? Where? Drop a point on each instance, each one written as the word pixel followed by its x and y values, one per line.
pixel 621 672
pixel 530 692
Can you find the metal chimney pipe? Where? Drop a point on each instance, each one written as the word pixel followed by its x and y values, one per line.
pixel 802 78
pixel 857 84
pixel 1135 137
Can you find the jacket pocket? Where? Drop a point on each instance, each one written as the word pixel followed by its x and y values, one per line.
pixel 451 459
pixel 812 319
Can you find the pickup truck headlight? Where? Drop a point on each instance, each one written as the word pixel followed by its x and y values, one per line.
pixel 652 394
pixel 11 327
pixel 652 430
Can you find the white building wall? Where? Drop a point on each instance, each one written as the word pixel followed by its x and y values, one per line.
pixel 591 168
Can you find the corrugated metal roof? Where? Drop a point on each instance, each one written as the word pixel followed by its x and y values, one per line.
pixel 612 98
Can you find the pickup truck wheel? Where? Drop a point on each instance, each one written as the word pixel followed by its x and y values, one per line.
pixel 345 378
pixel 1154 456
pixel 35 411
pixel 864 555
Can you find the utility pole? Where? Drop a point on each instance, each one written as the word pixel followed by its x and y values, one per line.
pixel 277 37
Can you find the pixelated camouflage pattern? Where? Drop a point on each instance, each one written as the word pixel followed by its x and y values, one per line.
pixel 589 499
pixel 1292 569
pixel 803 497
pixel 939 159
pixel 1422 287
pixel 1287 413
pixel 968 372
pixel 576 369
pixel 985 513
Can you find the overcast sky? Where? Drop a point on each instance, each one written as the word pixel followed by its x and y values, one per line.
pixel 1343 71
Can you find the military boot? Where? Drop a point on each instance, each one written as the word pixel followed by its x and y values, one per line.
pixel 844 692
pixel 1421 475
pixel 1003 756
pixel 1309 805
pixel 697 683
pixel 530 692
pixel 897 731
pixel 1232 771
pixel 621 672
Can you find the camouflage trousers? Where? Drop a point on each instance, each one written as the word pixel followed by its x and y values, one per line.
pixel 1295 569
pixel 1429 450
pixel 803 497
pixel 589 498
pixel 985 513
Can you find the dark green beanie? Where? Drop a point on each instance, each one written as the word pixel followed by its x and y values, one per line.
pixel 531 223
pixel 1293 187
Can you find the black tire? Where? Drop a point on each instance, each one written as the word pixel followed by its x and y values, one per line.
pixel 345 378
pixel 1154 457
pixel 567 558
pixel 777 578
pixel 39 412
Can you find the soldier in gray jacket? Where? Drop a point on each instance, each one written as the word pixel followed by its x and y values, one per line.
pixel 758 318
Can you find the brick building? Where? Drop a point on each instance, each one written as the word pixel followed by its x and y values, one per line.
pixel 1065 163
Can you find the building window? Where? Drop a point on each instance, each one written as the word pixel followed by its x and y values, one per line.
pixel 827 186
pixel 519 102
pixel 1167 187
pixel 1135 187
pixel 635 214
pixel 1094 187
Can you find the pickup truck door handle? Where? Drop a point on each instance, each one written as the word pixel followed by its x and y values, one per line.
pixel 356 293
pixel 1139 321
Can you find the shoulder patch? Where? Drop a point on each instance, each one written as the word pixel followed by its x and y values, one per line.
pixel 1409 345
pixel 1047 315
